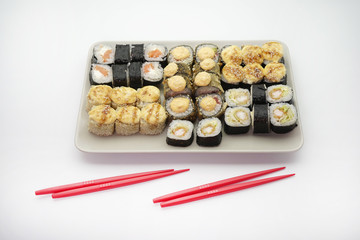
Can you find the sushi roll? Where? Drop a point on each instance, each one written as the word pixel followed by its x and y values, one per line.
pixel 128 121
pixel 205 51
pixel 231 53
pixel 208 132
pixel 254 73
pixel 181 107
pixel 152 119
pixel 232 75
pixel 207 65
pixel 155 53
pixel 147 95
pixel 237 120
pixel 102 120
pixel 279 93
pixel 122 53
pixel 258 93
pixel 180 133
pixel 275 73
pixel 101 75
pixel 103 54
pixel 273 52
pixel 261 118
pixel 203 79
pixel 152 73
pixel 210 105
pixel 283 117
pixel 120 75
pixel 122 96
pixel 98 95
pixel 173 69
pixel 207 90
pixel 177 85
pixel 181 54
pixel 238 97
pixel 137 52
pixel 252 54
pixel 135 78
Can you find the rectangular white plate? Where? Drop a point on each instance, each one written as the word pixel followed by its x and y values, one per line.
pixel 244 143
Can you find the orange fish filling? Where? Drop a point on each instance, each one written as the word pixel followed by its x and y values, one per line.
pixel 154 53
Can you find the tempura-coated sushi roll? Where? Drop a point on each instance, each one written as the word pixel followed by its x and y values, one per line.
pixel 252 54
pixel 181 54
pixel 273 52
pixel 203 79
pixel 238 97
pixel 205 51
pixel 152 73
pixel 147 95
pixel 137 52
pixel 231 53
pixel 208 132
pixel 102 120
pixel 279 93
pixel 122 96
pixel 120 75
pixel 283 117
pixel 181 107
pixel 232 75
pixel 122 53
pixel 101 75
pixel 180 133
pixel 135 78
pixel 258 93
pixel 98 95
pixel 275 73
pixel 127 121
pixel 261 118
pixel 210 105
pixel 173 69
pixel 177 85
pixel 152 119
pixel 155 53
pixel 207 65
pixel 254 73
pixel 103 54
pixel 237 120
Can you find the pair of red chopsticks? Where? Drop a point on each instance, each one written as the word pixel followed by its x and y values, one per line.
pixel 106 183
pixel 217 188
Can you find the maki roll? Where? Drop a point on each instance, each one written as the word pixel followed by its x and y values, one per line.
pixel 237 120
pixel 101 75
pixel 254 73
pixel 127 122
pixel 119 75
pixel 181 107
pixel 279 93
pixel 177 85
pixel 173 69
pixel 206 50
pixel 180 133
pixel 137 52
pixel 122 96
pixel 208 65
pixel 208 132
pixel 258 93
pixel 275 73
pixel 252 54
pixel 210 105
pixel 283 117
pixel 261 118
pixel 181 54
pixel 231 53
pixel 238 97
pixel 135 78
pixel 232 75
pixel 147 95
pixel 152 119
pixel 102 120
pixel 152 73
pixel 273 52
pixel 122 53
pixel 98 95
pixel 203 79
pixel 103 54
pixel 155 53
pixel 207 90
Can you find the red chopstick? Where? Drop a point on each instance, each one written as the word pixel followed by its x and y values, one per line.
pixel 222 190
pixel 97 181
pixel 115 184
pixel 214 185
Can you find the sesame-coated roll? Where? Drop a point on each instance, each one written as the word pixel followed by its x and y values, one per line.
pixel 128 120
pixel 98 95
pixel 152 119
pixel 101 120
pixel 122 96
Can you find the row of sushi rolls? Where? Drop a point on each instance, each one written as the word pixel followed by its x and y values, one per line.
pixel 205 90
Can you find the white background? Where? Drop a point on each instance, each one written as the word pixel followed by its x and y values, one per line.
pixel 43 53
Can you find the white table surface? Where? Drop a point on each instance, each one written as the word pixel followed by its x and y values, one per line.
pixel 43 50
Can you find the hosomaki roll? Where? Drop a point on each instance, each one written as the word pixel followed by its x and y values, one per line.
pixel 122 96
pixel 206 50
pixel 272 52
pixel 283 117
pixel 274 73
pixel 279 93
pixel 127 121
pixel 258 93
pixel 147 95
pixel 237 120
pixel 135 78
pixel 120 77
pixel 181 54
pixel 152 119
pixel 232 75
pixel 122 53
pixel 261 118
pixel 137 52
pixel 101 75
pixel 152 73
pixel 98 95
pixel 103 54
pixel 180 133
pixel 102 120
pixel 156 53
pixel 181 107
pixel 238 97
pixel 208 132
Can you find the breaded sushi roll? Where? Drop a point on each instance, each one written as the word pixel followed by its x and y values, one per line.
pixel 152 73
pixel 279 93
pixel 173 69
pixel 232 75
pixel 98 95
pixel 155 53
pixel 210 105
pixel 204 79
pixel 231 53
pixel 207 65
pixel 206 50
pixel 273 52
pixel 181 54
pixel 128 121
pixel 177 85
pixel 147 95
pixel 275 73
pixel 103 54
pixel 208 132
pixel 181 107
pixel 238 97
pixel 252 54
pixel 283 117
pixel 122 96
pixel 152 119
pixel 101 75
pixel 102 120
pixel 237 120
pixel 180 133
pixel 254 73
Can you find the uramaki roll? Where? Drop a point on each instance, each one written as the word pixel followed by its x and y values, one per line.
pixel 98 95
pixel 128 120
pixel 152 119
pixel 101 120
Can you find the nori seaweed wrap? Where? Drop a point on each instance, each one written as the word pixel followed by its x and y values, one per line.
pixel 258 92
pixel 261 118
pixel 208 133
pixel 122 53
pixel 137 52
pixel 135 78
pixel 119 75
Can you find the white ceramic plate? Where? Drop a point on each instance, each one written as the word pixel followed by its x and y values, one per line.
pixel 244 143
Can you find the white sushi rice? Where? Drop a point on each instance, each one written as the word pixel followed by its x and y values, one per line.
pixel 237 117
pixel 279 118
pixel 155 74
pixel 188 111
pixel 238 97
pixel 180 130
pixel 209 127
pixel 98 76
pixel 99 52
pixel 151 47
pixel 284 93
pixel 217 107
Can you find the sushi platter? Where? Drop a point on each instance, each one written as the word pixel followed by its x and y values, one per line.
pixel 190 96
